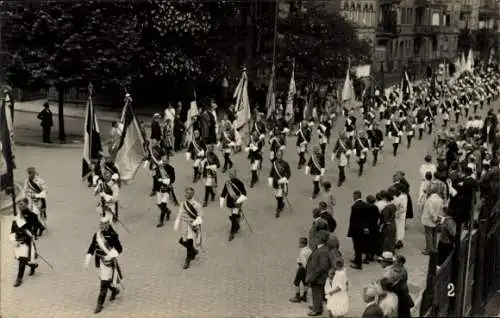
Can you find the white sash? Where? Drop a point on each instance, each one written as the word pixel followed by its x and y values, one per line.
pixel 277 171
pixel 315 161
pixel 101 242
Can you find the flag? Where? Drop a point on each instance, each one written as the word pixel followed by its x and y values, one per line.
pixel 470 61
pixel 7 164
pixel 271 96
pixel 193 111
pixel 242 102
pixel 92 146
pixel 292 90
pixel 130 152
pixel 348 89
pixel 406 87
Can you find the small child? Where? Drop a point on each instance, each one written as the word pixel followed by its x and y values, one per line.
pixel 328 196
pixel 300 276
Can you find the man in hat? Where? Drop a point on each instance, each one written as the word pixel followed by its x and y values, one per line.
pixel 303 139
pixel 233 196
pixel 277 142
pixel 376 138
pixel 209 128
pixel 165 176
pixel 210 165
pixel 105 247
pixel 259 127
pixel 317 272
pixel 196 152
pixel 108 188
pixel 254 150
pixel 316 168
pixel 324 132
pixel 156 130
pixel 190 219
pixel 278 179
pixel 35 190
pixel 45 117
pixel 228 143
pixel 23 234
pixel 341 153
pixel 156 153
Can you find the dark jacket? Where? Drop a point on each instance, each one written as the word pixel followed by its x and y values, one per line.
pixel 318 265
pixel 357 221
pixel 207 127
pixel 46 118
pixel 332 224
pixel 156 130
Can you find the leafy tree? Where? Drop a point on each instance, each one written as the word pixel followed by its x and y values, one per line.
pixel 67 44
pixel 466 41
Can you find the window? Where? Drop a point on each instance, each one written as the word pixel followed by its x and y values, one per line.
pixel 403 16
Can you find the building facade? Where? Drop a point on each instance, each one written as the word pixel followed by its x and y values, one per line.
pixel 363 15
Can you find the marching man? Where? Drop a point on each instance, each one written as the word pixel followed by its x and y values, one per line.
pixel 277 142
pixel 228 142
pixel 316 168
pixel 341 153
pixel 376 142
pixel 395 134
pixel 196 151
pixel 254 150
pixel 303 139
pixel 233 196
pixel 106 247
pixel 278 179
pixel 35 190
pixel 165 176
pixel 108 190
pixel 210 165
pixel 189 218
pixel 23 235
pixel 324 132
pixel 361 146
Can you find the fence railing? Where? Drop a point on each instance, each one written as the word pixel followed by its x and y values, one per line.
pixel 465 282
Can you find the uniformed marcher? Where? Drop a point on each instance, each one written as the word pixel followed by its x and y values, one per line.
pixel 376 141
pixel 324 132
pixel 278 179
pixel 156 153
pixel 259 127
pixel 316 168
pixel 190 219
pixel 277 142
pixel 350 126
pixel 429 118
pixel 196 152
pixel 108 188
pixel 210 165
pixel 228 143
pixel 105 247
pixel 361 147
pixel 254 150
pixel 35 190
pixel 165 176
pixel 23 234
pixel 233 196
pixel 303 139
pixel 395 134
pixel 409 128
pixel 341 153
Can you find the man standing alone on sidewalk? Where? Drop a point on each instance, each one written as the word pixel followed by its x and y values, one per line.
pixel 45 117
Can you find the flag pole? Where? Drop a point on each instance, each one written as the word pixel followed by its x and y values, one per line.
pixel 11 172
pixel 275 41
pixel 90 87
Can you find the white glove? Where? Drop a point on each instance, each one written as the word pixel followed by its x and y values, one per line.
pixel 307 171
pixel 322 171
pixel 348 152
pixel 218 144
pixel 222 202
pixel 212 167
pixel 197 221
pixel 201 153
pixel 247 149
pixel 88 258
pixel 283 180
pixel 282 147
pixel 188 156
pixel 176 224
pixel 253 147
pixel 286 130
pixel 231 144
pixel 381 144
pixel 270 181
pixel 241 199
pixel 41 195
pixel 145 164
pixel 12 237
pixel 262 136
pixel 165 181
pixel 112 254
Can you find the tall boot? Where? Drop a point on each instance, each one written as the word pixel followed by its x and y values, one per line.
pixel 301 160
pixel 212 194
pixel 33 268
pixel 395 149
pixel 207 195
pixel 103 290
pixel 164 213
pixel 409 138
pixel 430 130
pixel 114 292
pixel 196 174
pixel 20 272
pixel 234 226
pixel 174 197
pixel 226 162
pixel 375 157
pixel 279 206
pixel 361 166
pixel 315 189
pixel 420 133
pixel 255 178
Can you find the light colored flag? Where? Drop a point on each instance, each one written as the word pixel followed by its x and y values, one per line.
pixel 470 61
pixel 271 96
pixel 92 145
pixel 193 111
pixel 292 90
pixel 7 164
pixel 347 89
pixel 242 106
pixel 131 150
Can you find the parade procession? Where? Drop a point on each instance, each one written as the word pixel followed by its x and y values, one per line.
pixel 314 202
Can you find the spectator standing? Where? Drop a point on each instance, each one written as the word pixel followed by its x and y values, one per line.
pixel 433 209
pixel 46 121
pixel 300 276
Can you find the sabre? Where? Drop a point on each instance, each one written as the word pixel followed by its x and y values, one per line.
pixel 285 196
pixel 246 221
pixel 45 261
pixel 123 225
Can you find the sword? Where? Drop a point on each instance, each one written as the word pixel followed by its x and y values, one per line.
pixel 246 221
pixel 123 225
pixel 44 260
pixel 120 274
pixel 285 196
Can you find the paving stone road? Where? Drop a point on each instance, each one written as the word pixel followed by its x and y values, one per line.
pixel 251 276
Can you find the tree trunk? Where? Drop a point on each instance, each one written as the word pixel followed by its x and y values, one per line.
pixel 60 110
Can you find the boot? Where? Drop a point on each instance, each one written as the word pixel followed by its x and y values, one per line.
pixel 18 282
pixel 163 213
pixel 114 292
pixel 304 297
pixel 98 309
pixel 206 197
pixel 296 298
pixel 231 236
pixel 187 262
pixel 33 267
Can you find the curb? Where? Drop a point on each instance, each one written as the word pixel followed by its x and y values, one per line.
pixel 20 194
pixel 30 143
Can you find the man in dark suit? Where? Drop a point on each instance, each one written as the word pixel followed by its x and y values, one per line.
pixel 317 268
pixel 467 194
pixel 325 215
pixel 490 188
pixel 45 117
pixel 489 130
pixel 208 125
pixel 371 236
pixel 357 228
pixel 156 128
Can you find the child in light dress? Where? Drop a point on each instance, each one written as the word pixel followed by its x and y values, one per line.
pixel 336 290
